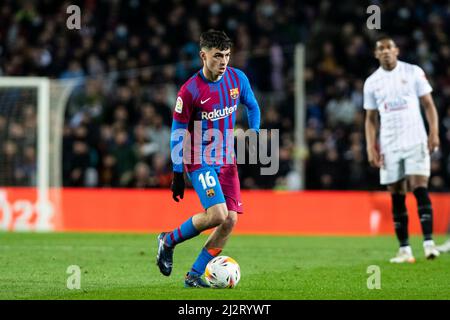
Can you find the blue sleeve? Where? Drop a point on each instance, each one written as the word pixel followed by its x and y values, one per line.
pixel 248 98
pixel 177 135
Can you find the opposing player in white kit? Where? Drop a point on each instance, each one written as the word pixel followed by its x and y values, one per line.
pixel 394 92
pixel 445 247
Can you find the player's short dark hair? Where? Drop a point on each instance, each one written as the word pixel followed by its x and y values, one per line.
pixel 215 39
pixel 382 37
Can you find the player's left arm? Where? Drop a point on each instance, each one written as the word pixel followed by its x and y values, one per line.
pixel 249 100
pixel 423 91
pixel 433 122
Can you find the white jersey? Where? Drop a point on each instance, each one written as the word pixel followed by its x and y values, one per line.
pixel 395 94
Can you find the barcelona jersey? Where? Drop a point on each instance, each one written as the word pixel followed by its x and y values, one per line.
pixel 208 111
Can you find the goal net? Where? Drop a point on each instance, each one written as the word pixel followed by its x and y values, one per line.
pixel 31 124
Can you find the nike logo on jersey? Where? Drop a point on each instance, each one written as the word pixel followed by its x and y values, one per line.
pixel 204 101
pixel 239 204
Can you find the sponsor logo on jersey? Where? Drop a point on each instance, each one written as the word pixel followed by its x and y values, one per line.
pixel 179 105
pixel 395 105
pixel 210 193
pixel 218 114
pixel 234 93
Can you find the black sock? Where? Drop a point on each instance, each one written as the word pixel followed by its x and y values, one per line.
pixel 425 212
pixel 400 218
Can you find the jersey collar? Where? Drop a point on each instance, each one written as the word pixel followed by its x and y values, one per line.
pixel 393 70
pixel 209 81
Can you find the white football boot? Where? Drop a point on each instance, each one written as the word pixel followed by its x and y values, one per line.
pixel 404 255
pixel 430 249
pixel 445 247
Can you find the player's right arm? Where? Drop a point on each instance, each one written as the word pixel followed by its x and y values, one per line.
pixel 371 127
pixel 181 117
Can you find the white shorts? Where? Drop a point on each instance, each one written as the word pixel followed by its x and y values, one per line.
pixel 405 162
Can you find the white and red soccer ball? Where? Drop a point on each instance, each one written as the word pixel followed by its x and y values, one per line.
pixel 222 272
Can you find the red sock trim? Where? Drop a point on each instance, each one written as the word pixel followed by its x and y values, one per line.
pixel 179 233
pixel 214 251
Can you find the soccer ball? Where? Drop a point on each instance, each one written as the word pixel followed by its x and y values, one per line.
pixel 222 272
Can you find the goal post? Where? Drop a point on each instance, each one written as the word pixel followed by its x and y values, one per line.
pixel 44 101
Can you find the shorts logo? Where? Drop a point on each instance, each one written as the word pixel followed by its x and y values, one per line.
pixel 179 105
pixel 234 93
pixel 210 193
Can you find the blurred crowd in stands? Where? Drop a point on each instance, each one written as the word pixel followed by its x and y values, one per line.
pixel 130 57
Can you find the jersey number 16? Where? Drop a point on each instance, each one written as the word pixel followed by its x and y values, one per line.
pixel 207 180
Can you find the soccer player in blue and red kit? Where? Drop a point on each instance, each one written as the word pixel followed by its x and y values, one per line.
pixel 208 100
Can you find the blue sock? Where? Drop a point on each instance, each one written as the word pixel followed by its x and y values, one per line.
pixel 184 232
pixel 199 266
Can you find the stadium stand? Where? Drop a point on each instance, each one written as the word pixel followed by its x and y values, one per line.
pixel 130 57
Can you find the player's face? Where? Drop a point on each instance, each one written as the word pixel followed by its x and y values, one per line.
pixel 386 52
pixel 215 60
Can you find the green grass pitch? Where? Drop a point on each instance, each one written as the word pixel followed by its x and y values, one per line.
pixel 122 266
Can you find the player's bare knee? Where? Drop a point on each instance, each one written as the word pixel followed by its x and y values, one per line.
pixel 418 185
pixel 418 182
pixel 229 222
pixel 218 215
pixel 221 217
pixel 399 187
pixel 217 220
